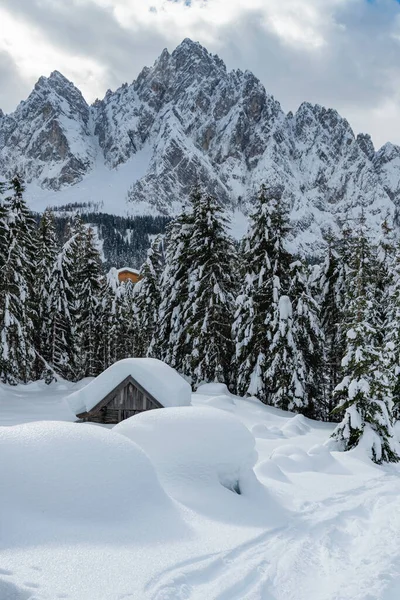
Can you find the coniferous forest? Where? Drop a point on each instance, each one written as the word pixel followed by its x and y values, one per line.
pixel 124 240
pixel 321 340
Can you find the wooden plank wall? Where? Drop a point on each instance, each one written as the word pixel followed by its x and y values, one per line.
pixel 129 401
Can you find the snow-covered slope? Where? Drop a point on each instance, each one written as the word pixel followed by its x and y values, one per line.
pixel 85 514
pixel 142 147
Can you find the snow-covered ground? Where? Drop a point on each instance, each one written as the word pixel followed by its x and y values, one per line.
pixel 150 510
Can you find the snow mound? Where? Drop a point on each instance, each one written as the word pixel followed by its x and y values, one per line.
pixel 295 460
pixel 196 444
pixel 268 469
pixel 324 462
pixel 9 591
pixel 297 425
pixel 292 459
pixel 267 433
pixel 222 402
pixel 68 471
pixel 159 379
pixel 213 389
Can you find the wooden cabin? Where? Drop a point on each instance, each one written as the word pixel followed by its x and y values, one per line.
pixel 126 273
pixel 127 388
pixel 126 400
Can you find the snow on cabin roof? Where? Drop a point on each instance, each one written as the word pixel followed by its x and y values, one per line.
pixel 159 379
pixel 129 270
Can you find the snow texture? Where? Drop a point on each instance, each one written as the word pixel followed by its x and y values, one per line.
pixel 160 380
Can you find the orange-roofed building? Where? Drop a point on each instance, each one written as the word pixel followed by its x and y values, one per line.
pixel 127 273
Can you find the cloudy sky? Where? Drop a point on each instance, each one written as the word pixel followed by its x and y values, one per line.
pixel 343 54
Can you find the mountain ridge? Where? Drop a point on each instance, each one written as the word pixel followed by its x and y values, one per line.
pixel 142 147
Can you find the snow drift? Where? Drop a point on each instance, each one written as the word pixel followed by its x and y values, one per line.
pixel 194 445
pixel 68 471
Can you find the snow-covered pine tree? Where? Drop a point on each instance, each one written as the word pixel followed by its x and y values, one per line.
pixel 3 233
pixel 4 283
pixel 333 285
pixel 392 332
pixel 169 340
pixel 308 342
pixel 128 334
pixel 384 274
pixel 72 266
pixel 286 372
pixel 331 303
pixel 62 327
pixel 88 300
pixel 17 353
pixel 44 292
pixel 147 299
pixel 266 263
pixel 364 392
pixel 111 321
pixel 209 309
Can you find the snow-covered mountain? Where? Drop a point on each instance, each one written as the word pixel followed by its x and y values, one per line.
pixel 141 148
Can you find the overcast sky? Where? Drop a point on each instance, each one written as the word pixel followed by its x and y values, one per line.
pixel 344 54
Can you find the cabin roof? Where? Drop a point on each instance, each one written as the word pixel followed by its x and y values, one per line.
pixel 158 380
pixel 128 270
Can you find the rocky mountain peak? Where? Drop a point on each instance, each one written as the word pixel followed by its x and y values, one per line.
pixel 47 137
pixel 60 93
pixel 388 152
pixel 366 144
pixel 187 118
pixel 190 63
pixel 193 54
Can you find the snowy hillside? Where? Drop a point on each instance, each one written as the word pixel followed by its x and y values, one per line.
pixel 224 500
pixel 140 149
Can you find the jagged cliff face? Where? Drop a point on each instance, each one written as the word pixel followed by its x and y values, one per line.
pixel 48 137
pixel 192 120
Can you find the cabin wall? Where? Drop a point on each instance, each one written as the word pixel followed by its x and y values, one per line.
pixel 129 401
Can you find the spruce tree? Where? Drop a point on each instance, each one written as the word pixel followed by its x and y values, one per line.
pixel 17 314
pixel 3 225
pixel 4 276
pixel 73 267
pixel 384 274
pixel 364 392
pixel 111 323
pixel 266 263
pixel 169 340
pixel 392 332
pixel 88 309
pixel 334 283
pixel 286 372
pixel 308 342
pixel 44 291
pixel 208 313
pixel 62 326
pixel 129 334
pixel 147 299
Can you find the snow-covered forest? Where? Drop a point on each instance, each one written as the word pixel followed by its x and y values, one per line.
pixel 321 340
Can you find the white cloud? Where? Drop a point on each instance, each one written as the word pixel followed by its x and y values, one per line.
pixel 33 54
pixel 340 53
